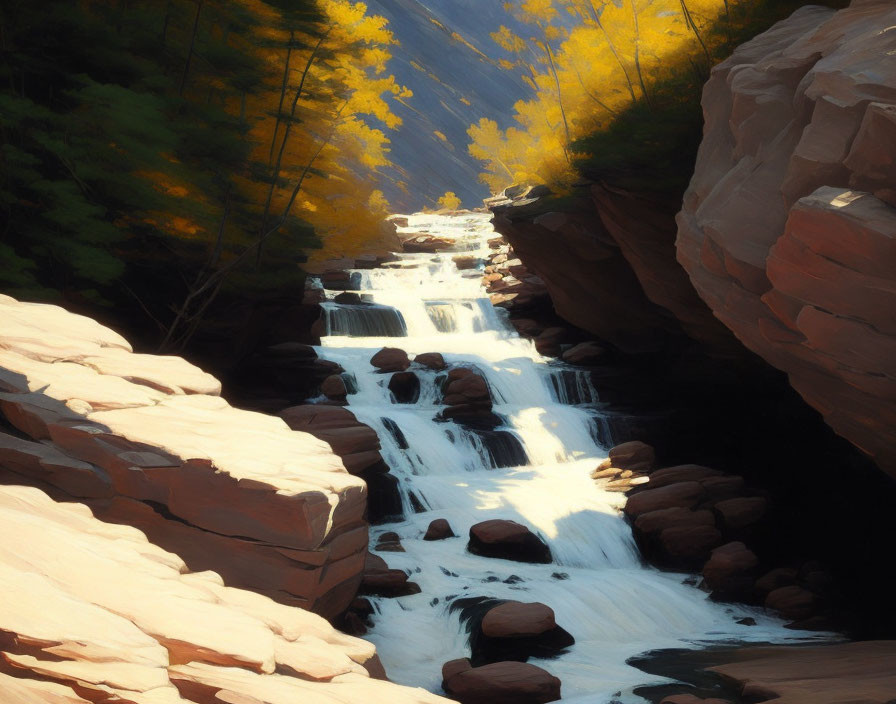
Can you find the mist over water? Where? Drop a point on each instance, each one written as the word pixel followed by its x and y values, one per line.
pixel 536 472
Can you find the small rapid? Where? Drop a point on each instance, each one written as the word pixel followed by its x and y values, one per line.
pixel 534 469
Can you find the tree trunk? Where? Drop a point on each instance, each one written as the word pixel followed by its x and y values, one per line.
pixel 183 78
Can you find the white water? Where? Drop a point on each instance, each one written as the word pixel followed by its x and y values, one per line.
pixel 612 604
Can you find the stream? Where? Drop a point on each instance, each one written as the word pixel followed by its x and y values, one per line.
pixel 534 471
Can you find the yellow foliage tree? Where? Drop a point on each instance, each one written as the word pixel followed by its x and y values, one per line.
pixel 584 74
pixel 449 201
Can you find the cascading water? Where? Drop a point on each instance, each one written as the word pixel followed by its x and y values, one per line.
pixel 601 592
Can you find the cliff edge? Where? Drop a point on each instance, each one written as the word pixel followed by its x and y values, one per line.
pixel 788 229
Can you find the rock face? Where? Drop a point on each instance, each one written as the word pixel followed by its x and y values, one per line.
pixel 852 672
pixel 788 230
pixel 146 441
pixel 124 481
pixel 97 613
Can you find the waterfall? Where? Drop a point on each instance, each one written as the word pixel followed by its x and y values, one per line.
pixel 534 469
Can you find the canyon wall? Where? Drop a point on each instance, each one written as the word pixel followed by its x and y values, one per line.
pixel 788 230
pixel 785 243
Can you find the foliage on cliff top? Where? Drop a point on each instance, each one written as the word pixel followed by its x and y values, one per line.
pixel 617 91
pixel 150 149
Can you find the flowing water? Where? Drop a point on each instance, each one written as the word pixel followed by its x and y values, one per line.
pixel 536 472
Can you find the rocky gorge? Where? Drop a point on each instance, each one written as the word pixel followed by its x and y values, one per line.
pixel 608 448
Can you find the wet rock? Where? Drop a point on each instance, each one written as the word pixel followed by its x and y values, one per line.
pixel 731 572
pixel 439 529
pixel 514 630
pixel 585 354
pixel 515 619
pixel 779 577
pixel 379 580
pixel 502 683
pixel 465 261
pixel 549 341
pixel 793 602
pixel 348 298
pixel 507 540
pixel 735 515
pixel 682 495
pixel 635 455
pixel 431 360
pixel 405 387
pixel 681 473
pixel 496 242
pixel 687 547
pixel 391 359
pixel 527 327
pixel 428 244
pixel 389 542
pixel 333 387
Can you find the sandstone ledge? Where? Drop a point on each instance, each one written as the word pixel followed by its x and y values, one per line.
pixel 147 441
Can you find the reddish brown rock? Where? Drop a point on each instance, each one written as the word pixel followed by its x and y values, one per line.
pixel 391 359
pixel 439 529
pixel 742 512
pixel 586 354
pixel 656 521
pixel 792 602
pixel 465 261
pixel 688 547
pixel 508 540
pixel 730 572
pixel 333 387
pixel 779 577
pixel 829 674
pixel 428 244
pixel 681 495
pixel 681 473
pixel 634 455
pixel 787 228
pixel 515 619
pixel 431 360
pixel 379 580
pixel 503 683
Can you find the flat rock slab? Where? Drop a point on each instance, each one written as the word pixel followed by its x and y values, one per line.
pixel 503 683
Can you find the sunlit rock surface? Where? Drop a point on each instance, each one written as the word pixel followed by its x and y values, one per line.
pixel 124 480
pixel 788 229
pixel 93 612
pixel 151 444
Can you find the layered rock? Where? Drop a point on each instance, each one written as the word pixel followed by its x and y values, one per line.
pixel 146 441
pixel 787 230
pixel 93 613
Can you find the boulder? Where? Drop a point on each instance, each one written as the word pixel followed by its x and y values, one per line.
pixel 634 455
pixel 502 683
pixel 736 515
pixel 405 387
pixel 687 547
pixel 793 602
pixel 514 630
pixel 389 542
pixel 333 387
pixel 549 341
pixel 391 359
pixel 681 473
pixel 527 327
pixel 465 261
pixel 379 580
pixel 731 572
pixel 439 529
pixel 779 577
pixel 431 360
pixel 681 495
pixel 428 244
pixel 508 540
pixel 348 297
pixel 585 354
pixel 515 619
